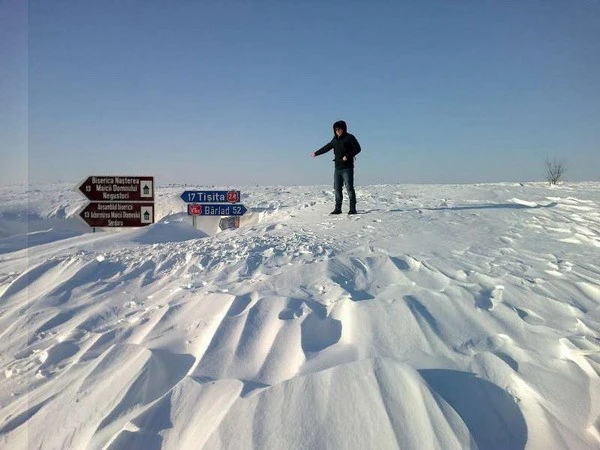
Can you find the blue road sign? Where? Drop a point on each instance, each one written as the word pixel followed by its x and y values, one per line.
pixel 216 210
pixel 211 196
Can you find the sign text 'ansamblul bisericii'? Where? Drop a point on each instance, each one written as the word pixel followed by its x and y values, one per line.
pixel 118 201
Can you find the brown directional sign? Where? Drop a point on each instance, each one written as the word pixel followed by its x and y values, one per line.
pixel 118 188
pixel 118 214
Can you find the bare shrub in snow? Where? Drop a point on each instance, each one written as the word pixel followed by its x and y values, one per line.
pixel 555 171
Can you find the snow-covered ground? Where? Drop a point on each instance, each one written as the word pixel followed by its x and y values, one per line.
pixel 442 316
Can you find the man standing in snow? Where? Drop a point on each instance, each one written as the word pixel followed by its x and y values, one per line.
pixel 345 148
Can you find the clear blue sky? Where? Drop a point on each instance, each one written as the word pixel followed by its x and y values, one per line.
pixel 240 92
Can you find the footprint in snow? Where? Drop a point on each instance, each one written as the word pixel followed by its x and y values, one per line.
pixel 485 300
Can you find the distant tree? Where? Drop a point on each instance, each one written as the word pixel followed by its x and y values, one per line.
pixel 555 171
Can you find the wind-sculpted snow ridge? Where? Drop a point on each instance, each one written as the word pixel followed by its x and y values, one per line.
pixel 440 317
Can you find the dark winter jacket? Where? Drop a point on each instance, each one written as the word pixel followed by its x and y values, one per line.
pixel 345 145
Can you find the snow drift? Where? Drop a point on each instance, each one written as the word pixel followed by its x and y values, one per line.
pixel 439 317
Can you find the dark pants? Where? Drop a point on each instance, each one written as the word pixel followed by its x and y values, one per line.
pixel 341 177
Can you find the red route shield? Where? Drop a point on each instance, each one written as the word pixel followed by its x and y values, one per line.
pixel 194 210
pixel 233 196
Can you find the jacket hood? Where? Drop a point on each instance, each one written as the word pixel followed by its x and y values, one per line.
pixel 340 124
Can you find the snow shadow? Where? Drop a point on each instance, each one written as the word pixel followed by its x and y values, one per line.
pixel 476 207
pixel 21 419
pixel 351 275
pixel 167 231
pixel 159 375
pixel 319 333
pixel 21 230
pixel 22 241
pixel 491 414
pixel 484 299
pixel 421 313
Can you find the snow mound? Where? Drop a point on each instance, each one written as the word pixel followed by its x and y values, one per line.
pixel 440 317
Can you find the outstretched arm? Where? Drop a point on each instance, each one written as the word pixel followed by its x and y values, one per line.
pixel 323 149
